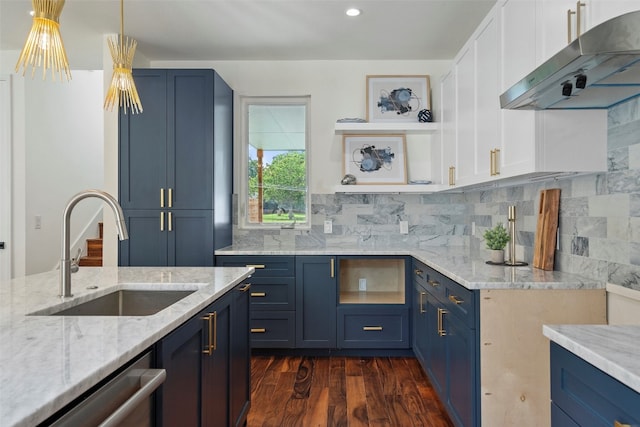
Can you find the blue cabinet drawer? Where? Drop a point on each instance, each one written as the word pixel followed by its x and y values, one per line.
pixel 587 395
pixel 460 302
pixel 273 329
pixel 273 293
pixel 419 272
pixel 435 283
pixel 265 266
pixel 373 327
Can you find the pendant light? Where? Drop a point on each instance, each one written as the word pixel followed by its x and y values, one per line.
pixel 122 90
pixel 44 45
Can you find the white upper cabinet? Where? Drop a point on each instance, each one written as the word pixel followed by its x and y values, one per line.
pixel 599 11
pixel 466 115
pixel 449 129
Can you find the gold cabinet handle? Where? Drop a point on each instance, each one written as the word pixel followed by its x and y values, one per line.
pixel 333 268
pixel 245 287
pixel 496 161
pixel 372 328
pixel 258 330
pixel 617 423
pixel 258 294
pixel 170 221
pixel 161 221
pixel 162 197
pixel 452 175
pixel 170 197
pixel 422 310
pixel 579 6
pixel 569 13
pixel 454 299
pixel 418 272
pixel 441 331
pixel 256 266
pixel 434 283
pixel 212 325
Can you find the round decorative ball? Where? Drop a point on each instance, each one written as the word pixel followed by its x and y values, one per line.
pixel 425 116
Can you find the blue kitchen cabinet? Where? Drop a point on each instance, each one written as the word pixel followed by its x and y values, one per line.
pixel 175 238
pixel 583 395
pixel 449 345
pixel 207 364
pixel 315 302
pixel 419 314
pixel 272 298
pixel 177 156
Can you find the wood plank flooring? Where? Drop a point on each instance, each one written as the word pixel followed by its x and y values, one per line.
pixel 342 391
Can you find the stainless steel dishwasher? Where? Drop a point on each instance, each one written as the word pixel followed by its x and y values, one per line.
pixel 126 400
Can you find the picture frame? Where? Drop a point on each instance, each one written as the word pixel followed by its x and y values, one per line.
pixel 397 98
pixel 375 159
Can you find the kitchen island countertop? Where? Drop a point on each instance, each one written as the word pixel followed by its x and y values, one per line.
pixel 48 361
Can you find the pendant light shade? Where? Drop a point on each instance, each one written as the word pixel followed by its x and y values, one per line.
pixel 122 90
pixel 44 45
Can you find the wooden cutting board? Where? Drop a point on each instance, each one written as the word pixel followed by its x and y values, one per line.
pixel 545 241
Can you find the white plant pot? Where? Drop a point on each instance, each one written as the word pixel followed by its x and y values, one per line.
pixel 496 255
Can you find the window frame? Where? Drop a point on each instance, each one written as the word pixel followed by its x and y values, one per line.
pixel 243 165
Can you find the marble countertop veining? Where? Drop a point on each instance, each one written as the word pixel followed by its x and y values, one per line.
pixel 47 361
pixel 611 348
pixel 460 264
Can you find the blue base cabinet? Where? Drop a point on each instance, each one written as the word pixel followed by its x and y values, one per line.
pixel 207 360
pixel 583 395
pixel 445 341
pixel 175 168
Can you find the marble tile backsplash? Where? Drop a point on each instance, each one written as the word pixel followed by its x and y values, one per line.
pixel 599 215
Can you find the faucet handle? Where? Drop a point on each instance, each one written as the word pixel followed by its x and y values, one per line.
pixel 75 262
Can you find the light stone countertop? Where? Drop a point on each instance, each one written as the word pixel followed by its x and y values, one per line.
pixel 613 349
pixel 458 263
pixel 47 361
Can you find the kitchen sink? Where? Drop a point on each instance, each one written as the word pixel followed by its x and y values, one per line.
pixel 123 302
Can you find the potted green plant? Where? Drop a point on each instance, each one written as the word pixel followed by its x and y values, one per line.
pixel 496 239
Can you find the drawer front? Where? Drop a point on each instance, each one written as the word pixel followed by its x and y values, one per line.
pixel 273 329
pixel 419 272
pixel 273 293
pixel 382 327
pixel 435 283
pixel 589 396
pixel 460 302
pixel 265 266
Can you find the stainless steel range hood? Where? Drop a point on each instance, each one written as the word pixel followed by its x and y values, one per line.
pixel 599 69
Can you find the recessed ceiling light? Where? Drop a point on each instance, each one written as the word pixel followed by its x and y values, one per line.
pixel 353 12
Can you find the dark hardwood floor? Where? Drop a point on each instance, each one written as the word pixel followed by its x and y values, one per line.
pixel 342 391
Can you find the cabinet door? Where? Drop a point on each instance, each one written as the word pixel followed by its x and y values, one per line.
pixel 190 237
pixel 240 382
pixel 466 116
pixel 420 342
pixel 448 126
pixel 189 123
pixel 180 354
pixel 461 370
pixel 556 31
pixel 147 242
pixel 143 144
pixel 436 350
pixel 315 302
pixel 215 365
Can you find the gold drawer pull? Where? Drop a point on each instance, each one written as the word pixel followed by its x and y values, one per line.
pixel 258 330
pixel 212 323
pixel 422 310
pixel 454 299
pixel 255 265
pixel 434 283
pixel 245 288
pixel 372 328
pixel 258 294
pixel 418 272
pixel 441 331
pixel 617 423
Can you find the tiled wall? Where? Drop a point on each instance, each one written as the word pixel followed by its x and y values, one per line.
pixel 599 215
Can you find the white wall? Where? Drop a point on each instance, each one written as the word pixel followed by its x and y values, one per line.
pixel 337 90
pixel 63 139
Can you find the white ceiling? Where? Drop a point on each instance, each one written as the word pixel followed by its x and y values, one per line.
pixel 257 29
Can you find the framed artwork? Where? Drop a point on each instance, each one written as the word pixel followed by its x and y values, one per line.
pixel 397 98
pixel 375 159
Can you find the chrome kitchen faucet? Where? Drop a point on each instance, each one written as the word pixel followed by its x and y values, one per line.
pixel 65 262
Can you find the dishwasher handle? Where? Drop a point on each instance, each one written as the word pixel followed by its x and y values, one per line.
pixel 150 380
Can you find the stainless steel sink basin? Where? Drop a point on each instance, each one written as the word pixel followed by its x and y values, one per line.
pixel 126 302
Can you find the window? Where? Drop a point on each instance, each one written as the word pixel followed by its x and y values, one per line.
pixel 274 175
